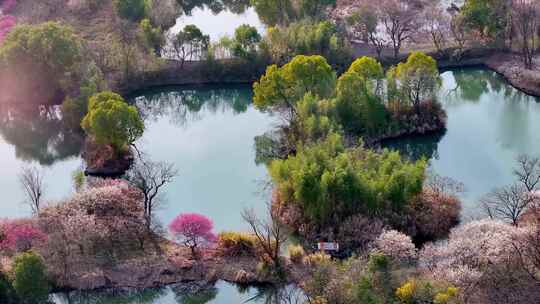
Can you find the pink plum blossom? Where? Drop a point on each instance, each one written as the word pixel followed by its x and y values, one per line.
pixel 20 235
pixel 192 230
pixel 6 24
pixel 8 5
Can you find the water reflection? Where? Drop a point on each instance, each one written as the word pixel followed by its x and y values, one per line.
pixel 417 147
pixel 182 106
pixel 38 134
pixel 489 124
pixel 216 6
pixel 189 293
pixel 207 134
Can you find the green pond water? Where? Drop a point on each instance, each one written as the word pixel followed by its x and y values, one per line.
pixel 208 134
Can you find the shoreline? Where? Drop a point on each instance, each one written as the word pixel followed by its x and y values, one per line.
pixel 503 63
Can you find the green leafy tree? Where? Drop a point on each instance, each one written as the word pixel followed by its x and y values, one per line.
pixel 111 121
pixel 418 79
pixel 30 281
pixel 152 37
pixel 274 12
pixel 371 70
pixel 489 18
pixel 133 10
pixel 246 40
pixel 307 37
pixel 189 42
pixel 358 109
pixel 281 88
pixel 41 59
pixel 313 8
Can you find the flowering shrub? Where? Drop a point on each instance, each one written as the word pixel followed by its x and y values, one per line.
pixel 396 245
pixel 99 223
pixel 8 5
pixel 20 236
pixel 6 24
pixel 192 230
pixel 470 251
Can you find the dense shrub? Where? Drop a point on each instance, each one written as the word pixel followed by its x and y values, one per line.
pixel 317 259
pixel 30 280
pixel 7 294
pixel 296 253
pixel 236 244
pixel 307 38
pixel 134 10
pixel 329 182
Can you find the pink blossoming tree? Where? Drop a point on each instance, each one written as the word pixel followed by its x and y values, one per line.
pixel 20 235
pixel 193 230
pixel 6 24
pixel 7 5
pixel 396 245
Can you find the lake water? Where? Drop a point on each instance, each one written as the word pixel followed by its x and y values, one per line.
pixel 208 134
pixel 219 24
pixel 489 124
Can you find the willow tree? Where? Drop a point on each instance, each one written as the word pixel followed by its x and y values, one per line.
pixel 415 80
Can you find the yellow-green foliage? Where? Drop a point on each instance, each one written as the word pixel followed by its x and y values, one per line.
pixel 296 253
pixel 316 259
pixel 406 292
pixel 236 244
pixel 447 297
pixel 328 181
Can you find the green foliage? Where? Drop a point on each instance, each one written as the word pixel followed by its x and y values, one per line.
pixel 133 10
pixel 190 41
pixel 488 17
pixel 307 37
pixel 314 121
pixel 274 12
pixel 246 39
pixel 30 281
pixel 418 79
pixel 152 37
pixel 329 182
pixel 111 121
pixel 357 108
pixel 313 8
pixel 283 87
pixel 47 55
pixel 7 294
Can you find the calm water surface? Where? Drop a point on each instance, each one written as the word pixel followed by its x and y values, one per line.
pixel 208 134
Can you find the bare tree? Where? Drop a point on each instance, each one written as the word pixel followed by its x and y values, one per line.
pixel 31 179
pixel 269 232
pixel 526 19
pixel 365 25
pixel 528 172
pixel 507 203
pixel 437 25
pixel 150 177
pixel 511 202
pixel 400 20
